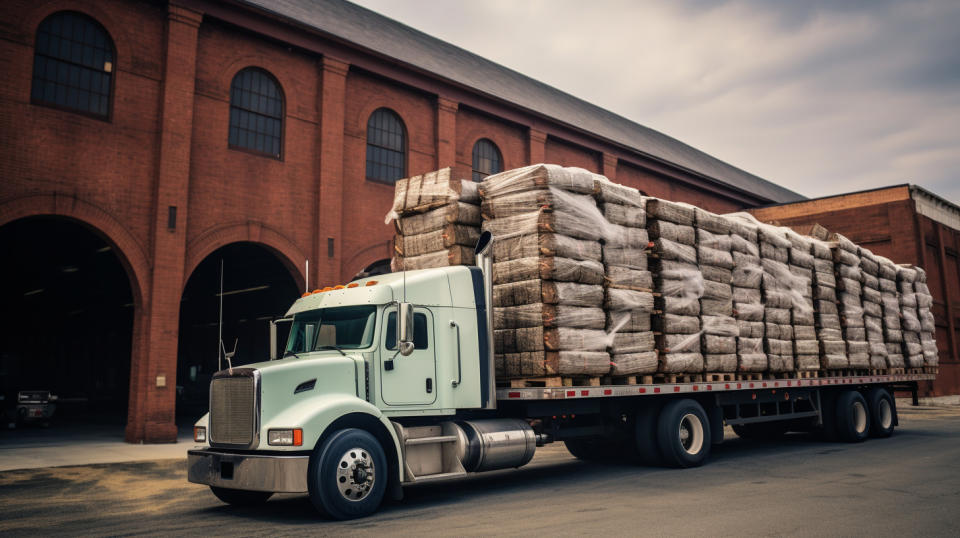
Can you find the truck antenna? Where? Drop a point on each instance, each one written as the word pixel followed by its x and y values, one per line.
pixel 306 278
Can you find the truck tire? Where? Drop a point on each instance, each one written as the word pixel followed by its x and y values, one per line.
pixel 852 417
pixel 347 475
pixel 645 436
pixel 239 497
pixel 764 431
pixel 683 434
pixel 883 412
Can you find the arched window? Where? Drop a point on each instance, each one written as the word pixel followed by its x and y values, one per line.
pixel 486 159
pixel 386 146
pixel 256 112
pixel 73 64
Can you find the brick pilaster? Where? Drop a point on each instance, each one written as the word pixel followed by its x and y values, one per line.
pixel 446 133
pixel 169 244
pixel 536 146
pixel 609 166
pixel 333 87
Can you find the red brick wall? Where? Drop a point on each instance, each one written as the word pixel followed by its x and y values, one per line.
pixel 166 144
pixel 366 203
pixel 510 139
pixel 567 154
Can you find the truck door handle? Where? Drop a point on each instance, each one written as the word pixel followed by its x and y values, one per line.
pixel 429 385
pixel 459 370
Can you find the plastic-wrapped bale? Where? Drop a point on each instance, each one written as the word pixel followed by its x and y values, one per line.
pixel 928 328
pixel 872 308
pixel 889 300
pixel 628 292
pixel 436 221
pixel 801 261
pixel 746 280
pixel 847 272
pixel 679 281
pixel 777 298
pixel 833 349
pixel 909 316
pixel 718 342
pixel 548 273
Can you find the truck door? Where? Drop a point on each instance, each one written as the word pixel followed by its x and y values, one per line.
pixel 411 379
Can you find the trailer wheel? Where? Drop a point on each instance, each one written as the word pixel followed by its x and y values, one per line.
pixel 239 497
pixel 683 434
pixel 882 412
pixel 852 417
pixel 645 436
pixel 347 475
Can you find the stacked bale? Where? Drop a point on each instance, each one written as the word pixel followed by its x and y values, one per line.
pixel 846 257
pixel 890 301
pixel 806 347
pixel 628 291
pixel 909 316
pixel 677 277
pixel 872 308
pixel 833 350
pixel 437 221
pixel 777 298
pixel 928 325
pixel 548 276
pixel 747 280
pixel 718 341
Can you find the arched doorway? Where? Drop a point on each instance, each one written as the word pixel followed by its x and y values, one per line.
pixel 66 323
pixel 257 287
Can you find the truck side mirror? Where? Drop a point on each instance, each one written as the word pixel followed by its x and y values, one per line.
pixel 273 340
pixel 405 328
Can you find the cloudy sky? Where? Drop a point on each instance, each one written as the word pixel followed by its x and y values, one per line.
pixel 821 97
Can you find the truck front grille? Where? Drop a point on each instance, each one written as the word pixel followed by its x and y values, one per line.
pixel 233 409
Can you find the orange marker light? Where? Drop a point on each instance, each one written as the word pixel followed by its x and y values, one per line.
pixel 352 285
pixel 371 283
pixel 317 291
pixel 339 287
pixel 305 294
pixel 298 437
pixel 328 288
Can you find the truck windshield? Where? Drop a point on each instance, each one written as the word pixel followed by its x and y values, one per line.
pixel 345 327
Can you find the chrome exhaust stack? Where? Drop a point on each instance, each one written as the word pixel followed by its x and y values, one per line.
pixel 484 255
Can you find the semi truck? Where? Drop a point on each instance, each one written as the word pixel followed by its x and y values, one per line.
pixel 389 381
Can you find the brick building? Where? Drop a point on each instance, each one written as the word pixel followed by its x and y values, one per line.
pixel 907 224
pixel 144 145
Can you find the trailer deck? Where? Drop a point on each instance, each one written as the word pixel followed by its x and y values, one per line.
pixel 610 391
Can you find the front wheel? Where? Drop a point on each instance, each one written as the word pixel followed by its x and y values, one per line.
pixel 347 476
pixel 683 433
pixel 239 497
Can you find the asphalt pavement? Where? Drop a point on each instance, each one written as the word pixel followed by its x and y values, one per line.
pixel 906 485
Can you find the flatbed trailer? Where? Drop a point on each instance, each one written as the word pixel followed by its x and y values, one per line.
pixel 390 381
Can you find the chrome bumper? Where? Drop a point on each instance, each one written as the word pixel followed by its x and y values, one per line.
pixel 251 472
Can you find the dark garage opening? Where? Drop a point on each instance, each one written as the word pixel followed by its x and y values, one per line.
pixel 66 320
pixel 257 287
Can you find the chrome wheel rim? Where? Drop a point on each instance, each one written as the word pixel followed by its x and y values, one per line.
pixel 691 434
pixel 356 474
pixel 859 417
pixel 886 414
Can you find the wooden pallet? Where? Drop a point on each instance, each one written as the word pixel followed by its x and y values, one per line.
pixel 895 371
pixel 529 382
pixel 779 375
pixel 749 376
pixel 914 370
pixel 677 378
pixel 720 376
pixel 808 374
pixel 581 381
pixel 625 379
pixel 931 369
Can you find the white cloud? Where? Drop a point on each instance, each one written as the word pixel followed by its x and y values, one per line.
pixel 819 97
